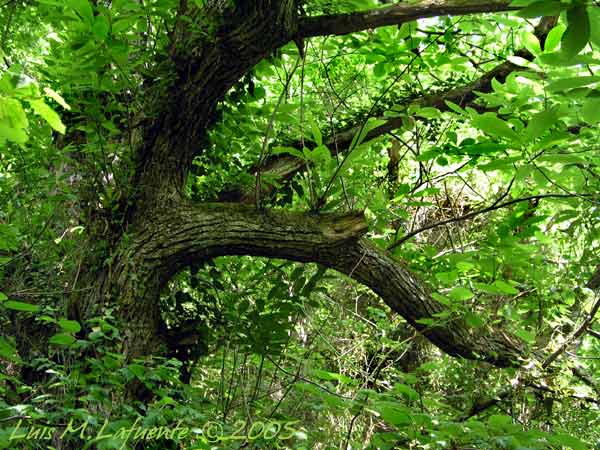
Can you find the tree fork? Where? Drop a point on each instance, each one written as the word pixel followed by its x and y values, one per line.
pixel 165 233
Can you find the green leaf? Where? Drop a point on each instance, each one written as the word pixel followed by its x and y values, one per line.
pixel 460 294
pixel 487 288
pixel 137 370
pixel 490 124
pixel 3 296
pixel 406 390
pixel 484 148
pixel 12 114
pixel 70 326
pixel 393 413
pixel 101 27
pixel 531 43
pixel 428 113
pixel 62 339
pixel 364 130
pixel 16 135
pixel 541 8
pixel 594 15
pixel 83 9
pixel 554 37
pixel 316 132
pixel 20 306
pixel 572 83
pixel 47 319
pixel 522 62
pixel 590 111
pixel 331 376
pixel 526 336
pixel 505 288
pixel 289 150
pixel 379 69
pixel 119 51
pixel 356 152
pixel 577 33
pixel 48 114
pixel 127 23
pixel 8 237
pixel 8 350
pixel 541 122
pixel 454 107
pixel 500 421
pixel 56 97
pixel 473 320
pixel 428 155
pixel 440 298
pixel 567 441
pixel 319 155
pixel 465 266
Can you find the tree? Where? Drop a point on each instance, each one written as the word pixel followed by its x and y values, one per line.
pixel 148 95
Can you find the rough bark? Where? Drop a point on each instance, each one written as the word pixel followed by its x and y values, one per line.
pixel 191 232
pixel 207 65
pixel 165 232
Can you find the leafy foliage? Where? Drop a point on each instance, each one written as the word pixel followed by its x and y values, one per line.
pixel 470 142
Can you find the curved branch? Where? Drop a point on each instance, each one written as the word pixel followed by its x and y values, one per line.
pixel 190 232
pixel 206 64
pixel 396 14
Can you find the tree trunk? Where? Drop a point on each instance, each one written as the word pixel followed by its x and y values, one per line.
pixel 165 232
pixel 207 63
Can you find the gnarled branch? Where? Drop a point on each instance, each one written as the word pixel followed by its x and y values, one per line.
pixel 191 232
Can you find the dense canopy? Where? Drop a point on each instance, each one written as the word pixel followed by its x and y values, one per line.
pixel 299 224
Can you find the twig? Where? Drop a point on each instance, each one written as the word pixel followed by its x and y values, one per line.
pixel 370 113
pixel 470 215
pixel 577 333
pixel 263 150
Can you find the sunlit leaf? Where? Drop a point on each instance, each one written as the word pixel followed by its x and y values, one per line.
pixel 62 339
pixel 48 114
pixel 70 326
pixel 56 97
pixel 577 34
pixel 541 8
pixel 541 122
pixel 490 124
pixel 20 306
pixel 591 111
pixel 84 10
pixel 460 293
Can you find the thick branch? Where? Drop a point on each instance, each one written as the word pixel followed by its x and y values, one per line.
pixel 190 232
pixel 395 15
pixel 206 64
